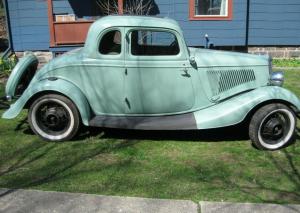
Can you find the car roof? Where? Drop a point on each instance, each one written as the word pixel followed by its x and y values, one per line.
pixel 136 21
pixel 125 21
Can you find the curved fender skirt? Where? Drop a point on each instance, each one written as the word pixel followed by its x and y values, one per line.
pixel 234 110
pixel 60 86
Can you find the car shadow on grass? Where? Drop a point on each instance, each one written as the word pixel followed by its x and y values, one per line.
pixel 38 164
pixel 232 133
pixel 288 169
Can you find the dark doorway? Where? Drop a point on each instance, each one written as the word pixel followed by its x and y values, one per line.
pixel 98 8
pixel 3 28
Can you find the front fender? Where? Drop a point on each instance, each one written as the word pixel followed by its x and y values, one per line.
pixel 61 86
pixel 235 110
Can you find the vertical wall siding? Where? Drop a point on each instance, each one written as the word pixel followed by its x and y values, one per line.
pixel 274 22
pixel 30 29
pixel 29 25
pixel 62 6
pixel 221 33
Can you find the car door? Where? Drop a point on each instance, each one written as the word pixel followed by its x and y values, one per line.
pixel 157 79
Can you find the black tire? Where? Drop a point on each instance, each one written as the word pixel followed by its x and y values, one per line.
pixel 54 118
pixel 272 127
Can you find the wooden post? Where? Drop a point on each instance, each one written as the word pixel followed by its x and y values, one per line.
pixel 51 24
pixel 120 7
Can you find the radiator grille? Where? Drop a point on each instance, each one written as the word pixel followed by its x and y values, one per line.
pixel 224 80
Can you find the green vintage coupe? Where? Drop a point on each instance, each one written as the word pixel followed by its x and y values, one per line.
pixel 138 73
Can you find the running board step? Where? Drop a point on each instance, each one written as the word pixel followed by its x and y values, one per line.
pixel 172 122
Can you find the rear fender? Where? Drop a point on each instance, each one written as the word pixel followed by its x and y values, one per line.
pixel 235 110
pixel 23 71
pixel 60 86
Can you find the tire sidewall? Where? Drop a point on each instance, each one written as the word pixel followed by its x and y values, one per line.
pixel 69 107
pixel 258 119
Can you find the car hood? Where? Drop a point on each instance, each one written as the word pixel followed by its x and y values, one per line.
pixel 225 74
pixel 211 58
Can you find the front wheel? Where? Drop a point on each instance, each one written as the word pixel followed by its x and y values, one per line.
pixel 54 118
pixel 272 127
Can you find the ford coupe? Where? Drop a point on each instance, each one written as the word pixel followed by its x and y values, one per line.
pixel 137 72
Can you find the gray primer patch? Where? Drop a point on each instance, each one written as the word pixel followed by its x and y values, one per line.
pixel 173 122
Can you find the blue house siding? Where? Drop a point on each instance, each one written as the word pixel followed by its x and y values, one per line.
pixel 271 23
pixel 274 22
pixel 29 25
pixel 221 33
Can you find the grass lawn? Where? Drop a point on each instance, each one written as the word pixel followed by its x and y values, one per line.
pixel 204 165
pixel 291 63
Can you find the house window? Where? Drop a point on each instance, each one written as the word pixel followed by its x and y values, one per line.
pixel 210 9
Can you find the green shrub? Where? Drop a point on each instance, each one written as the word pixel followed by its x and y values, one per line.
pixel 286 62
pixel 6 65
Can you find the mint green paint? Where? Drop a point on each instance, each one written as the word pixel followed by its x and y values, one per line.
pixel 215 87
pixel 101 79
pixel 158 84
pixel 91 45
pixel 217 58
pixel 234 110
pixel 210 61
pixel 61 86
pixel 17 73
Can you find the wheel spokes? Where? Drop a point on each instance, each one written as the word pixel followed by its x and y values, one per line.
pixel 275 127
pixel 53 118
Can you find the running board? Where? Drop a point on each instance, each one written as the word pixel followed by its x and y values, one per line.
pixel 172 122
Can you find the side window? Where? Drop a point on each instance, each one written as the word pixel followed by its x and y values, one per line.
pixel 110 43
pixel 151 43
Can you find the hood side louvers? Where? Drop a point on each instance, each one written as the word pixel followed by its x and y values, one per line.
pixel 222 81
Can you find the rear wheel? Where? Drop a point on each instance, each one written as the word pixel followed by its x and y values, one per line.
pixel 54 118
pixel 272 127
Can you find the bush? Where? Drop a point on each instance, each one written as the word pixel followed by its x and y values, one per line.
pixel 6 65
pixel 286 62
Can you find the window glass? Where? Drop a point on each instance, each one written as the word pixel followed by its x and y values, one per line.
pixel 148 42
pixel 211 7
pixel 111 43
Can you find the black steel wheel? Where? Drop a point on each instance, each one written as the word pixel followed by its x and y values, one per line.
pixel 54 118
pixel 272 127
